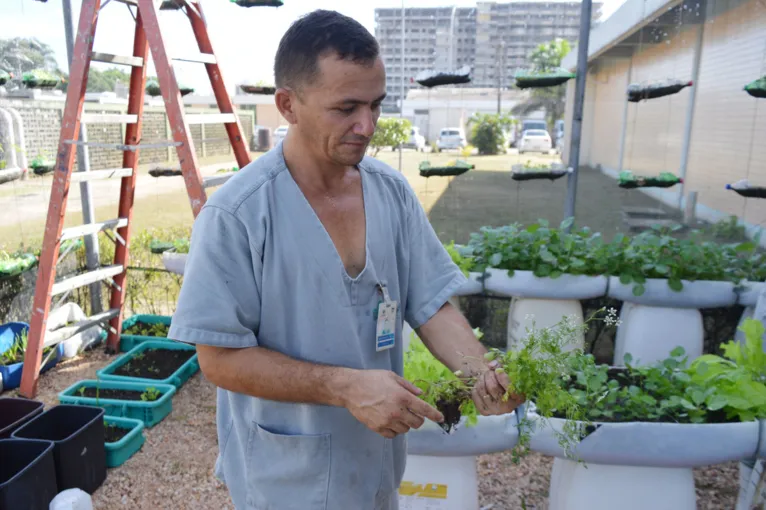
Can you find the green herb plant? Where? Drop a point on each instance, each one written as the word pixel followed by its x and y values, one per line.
pixel 150 395
pixel 464 263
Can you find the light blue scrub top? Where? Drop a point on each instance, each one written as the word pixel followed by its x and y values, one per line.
pixel 263 271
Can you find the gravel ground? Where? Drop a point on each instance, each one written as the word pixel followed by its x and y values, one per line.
pixel 174 469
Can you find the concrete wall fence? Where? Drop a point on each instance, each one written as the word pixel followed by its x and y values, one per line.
pixel 41 122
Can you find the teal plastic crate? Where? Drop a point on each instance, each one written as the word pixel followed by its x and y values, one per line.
pixel 150 413
pixel 177 379
pixel 128 342
pixel 117 453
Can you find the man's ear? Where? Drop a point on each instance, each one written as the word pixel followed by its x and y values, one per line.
pixel 285 99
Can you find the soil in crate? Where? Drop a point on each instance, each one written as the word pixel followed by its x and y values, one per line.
pixel 109 394
pixel 450 409
pixel 113 433
pixel 145 329
pixel 155 363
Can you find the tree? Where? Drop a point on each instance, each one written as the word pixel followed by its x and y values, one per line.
pixel 545 58
pixel 23 54
pixel 390 132
pixel 488 132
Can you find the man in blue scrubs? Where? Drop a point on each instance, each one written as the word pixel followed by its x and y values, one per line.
pixel 301 270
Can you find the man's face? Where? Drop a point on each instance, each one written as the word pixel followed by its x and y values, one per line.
pixel 337 113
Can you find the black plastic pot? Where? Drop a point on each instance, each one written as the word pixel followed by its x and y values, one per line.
pixel 78 436
pixel 15 412
pixel 27 474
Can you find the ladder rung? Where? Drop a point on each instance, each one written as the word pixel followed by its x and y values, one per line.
pixel 95 175
pixel 211 118
pixel 117 59
pixel 199 58
pixel 119 146
pixel 108 118
pixel 216 180
pixel 56 337
pixel 92 228
pixel 84 279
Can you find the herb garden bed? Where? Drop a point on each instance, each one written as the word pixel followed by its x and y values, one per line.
pixel 152 361
pixel 140 328
pixel 148 402
pixel 123 437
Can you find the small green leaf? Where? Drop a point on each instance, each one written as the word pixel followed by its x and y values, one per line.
pixel 566 223
pixel 675 284
pixel 677 352
pixel 717 402
pixel 495 259
pixel 687 405
pixel 662 269
pixel 638 290
pixel 625 278
pixel 628 358
pixel 698 397
pixel 746 246
pixel 555 274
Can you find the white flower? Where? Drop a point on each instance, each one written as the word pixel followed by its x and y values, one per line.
pixel 612 311
pixel 529 317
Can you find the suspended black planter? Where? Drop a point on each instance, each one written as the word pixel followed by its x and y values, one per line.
pixel 526 80
pixel 40 79
pixel 258 89
pixel 664 180
pixel 435 78
pixel 530 172
pixel 744 189
pixel 153 89
pixel 4 77
pixel 164 172
pixel 757 88
pixel 258 3
pixel 637 92
pixel 185 91
pixel 452 168
pixel 41 166
pixel 160 246
pixel 170 5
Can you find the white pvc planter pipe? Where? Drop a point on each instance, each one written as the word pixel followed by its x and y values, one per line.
pixel 174 262
pixel 662 319
pixel 635 466
pixel 542 302
pixel 441 468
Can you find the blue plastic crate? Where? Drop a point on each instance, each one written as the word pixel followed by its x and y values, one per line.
pixel 118 452
pixel 10 375
pixel 177 379
pixel 150 413
pixel 128 342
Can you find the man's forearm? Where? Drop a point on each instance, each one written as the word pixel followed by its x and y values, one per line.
pixel 451 340
pixel 271 375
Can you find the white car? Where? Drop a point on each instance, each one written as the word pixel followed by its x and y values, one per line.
pixel 535 140
pixel 451 138
pixel 416 141
pixel 279 134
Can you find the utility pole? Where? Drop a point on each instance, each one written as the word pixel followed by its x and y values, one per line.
pixel 83 165
pixel 579 102
pixel 500 66
pixel 401 88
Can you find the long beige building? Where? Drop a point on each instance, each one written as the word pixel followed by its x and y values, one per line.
pixel 712 133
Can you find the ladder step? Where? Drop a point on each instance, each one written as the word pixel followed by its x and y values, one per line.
pixel 216 180
pixel 56 337
pixel 92 228
pixel 119 146
pixel 84 279
pixel 95 175
pixel 117 59
pixel 199 58
pixel 108 118
pixel 211 118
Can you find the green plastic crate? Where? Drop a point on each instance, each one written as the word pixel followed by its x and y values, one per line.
pixel 177 379
pixel 117 453
pixel 150 413
pixel 128 342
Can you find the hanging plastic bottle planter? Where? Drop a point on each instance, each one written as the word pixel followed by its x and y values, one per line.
pixel 14 265
pixel 171 5
pixel 258 89
pixel 451 168
pixel 41 166
pixel 529 172
pixel 435 78
pixel 744 188
pixel 628 180
pixel 757 88
pixel 258 3
pixel 4 77
pixel 526 80
pixel 40 79
pixel 153 89
pixel 637 92
pixel 165 172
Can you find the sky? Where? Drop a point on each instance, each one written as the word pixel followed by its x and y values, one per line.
pixel 245 40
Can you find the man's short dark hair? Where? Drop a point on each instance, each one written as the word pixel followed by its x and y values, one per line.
pixel 313 36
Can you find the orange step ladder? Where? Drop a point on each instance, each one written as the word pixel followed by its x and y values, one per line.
pixel 147 38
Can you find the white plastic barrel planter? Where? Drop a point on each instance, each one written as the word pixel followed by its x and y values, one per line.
pixel 441 468
pixel 174 262
pixel 639 466
pixel 748 298
pixel 662 319
pixel 542 301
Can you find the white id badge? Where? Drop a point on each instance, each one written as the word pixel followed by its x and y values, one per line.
pixel 385 332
